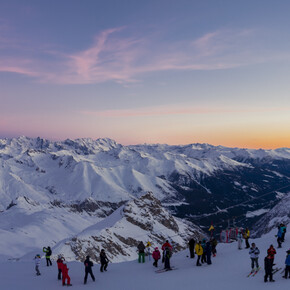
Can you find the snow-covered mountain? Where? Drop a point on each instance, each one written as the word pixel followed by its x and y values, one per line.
pixel 142 219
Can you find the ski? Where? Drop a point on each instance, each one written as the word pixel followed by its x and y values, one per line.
pixel 252 272
pixel 165 270
pixel 276 270
pixel 255 273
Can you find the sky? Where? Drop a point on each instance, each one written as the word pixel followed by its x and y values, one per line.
pixel 155 71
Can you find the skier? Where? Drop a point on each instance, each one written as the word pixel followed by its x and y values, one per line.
pixel 287 263
pixel 240 239
pixel 283 232
pixel 156 256
pixel 48 253
pixel 191 245
pixel 148 250
pixel 268 265
pixel 199 252
pixel 88 269
pixel 141 249
pixel 279 236
pixel 104 261
pixel 213 242
pixel 208 252
pixel 59 262
pixel 65 275
pixel 271 253
pixel 203 257
pixel 254 254
pixel 37 264
pixel 246 237
pixel 167 256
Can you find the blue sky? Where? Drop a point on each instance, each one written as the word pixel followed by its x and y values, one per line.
pixel 147 71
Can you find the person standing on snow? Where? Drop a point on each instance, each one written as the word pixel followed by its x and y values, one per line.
pixel 213 243
pixel 141 250
pixel 283 227
pixel 65 275
pixel 37 260
pixel 279 236
pixel 271 253
pixel 199 252
pixel 246 237
pixel 287 263
pixel 48 253
pixel 203 257
pixel 240 239
pixel 268 266
pixel 88 269
pixel 59 262
pixel 191 245
pixel 208 252
pixel 156 256
pixel 148 250
pixel 104 261
pixel 167 256
pixel 254 254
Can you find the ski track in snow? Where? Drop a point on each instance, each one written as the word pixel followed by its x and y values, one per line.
pixel 228 271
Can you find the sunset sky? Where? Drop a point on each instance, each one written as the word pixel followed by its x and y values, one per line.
pixel 153 71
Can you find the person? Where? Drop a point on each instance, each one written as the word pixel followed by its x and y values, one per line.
pixel 240 239
pixel 59 262
pixel 246 237
pixel 166 244
pixel 104 261
pixel 283 227
pixel 213 246
pixel 271 253
pixel 48 253
pixel 148 250
pixel 211 230
pixel 287 264
pixel 65 275
pixel 167 256
pixel 156 256
pixel 268 266
pixel 191 245
pixel 37 260
pixel 88 269
pixel 203 257
pixel 254 254
pixel 208 252
pixel 141 249
pixel 199 252
pixel 279 236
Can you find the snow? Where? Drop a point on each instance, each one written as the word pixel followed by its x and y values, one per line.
pixel 258 212
pixel 228 271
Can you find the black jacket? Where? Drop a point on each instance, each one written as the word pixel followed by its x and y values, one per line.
pixel 103 258
pixel 88 264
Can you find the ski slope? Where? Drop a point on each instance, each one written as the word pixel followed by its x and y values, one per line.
pixel 228 271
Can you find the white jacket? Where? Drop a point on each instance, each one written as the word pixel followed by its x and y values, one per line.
pixel 37 261
pixel 254 252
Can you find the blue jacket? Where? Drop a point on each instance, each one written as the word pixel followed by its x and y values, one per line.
pixel 287 261
pixel 279 234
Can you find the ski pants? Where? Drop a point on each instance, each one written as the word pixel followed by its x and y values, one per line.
pixel 48 261
pixel 268 274
pixel 255 261
pixel 65 277
pixel 191 251
pixel 279 241
pixel 208 258
pixel 203 258
pixel 198 260
pixel 239 244
pixel 167 263
pixel 104 266
pixel 86 275
pixel 287 272
pixel 155 263
pixel 59 274
pixel 37 270
pixel 283 236
pixel 247 243
pixel 141 255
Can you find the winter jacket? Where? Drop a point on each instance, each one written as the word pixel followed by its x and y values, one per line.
pixel 47 252
pixel 148 245
pixel 37 261
pixel 254 252
pixel 246 234
pixel 156 255
pixel 191 243
pixel 283 228
pixel 208 248
pixel 141 247
pixel 166 245
pixel 103 258
pixel 198 249
pixel 88 264
pixel 271 252
pixel 59 263
pixel 65 271
pixel 287 261
pixel 280 232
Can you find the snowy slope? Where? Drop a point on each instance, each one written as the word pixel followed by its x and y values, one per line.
pixel 228 271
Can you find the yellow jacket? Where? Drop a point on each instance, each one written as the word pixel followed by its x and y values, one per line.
pixel 198 249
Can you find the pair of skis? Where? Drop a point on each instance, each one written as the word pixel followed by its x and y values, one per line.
pixel 254 273
pixel 165 270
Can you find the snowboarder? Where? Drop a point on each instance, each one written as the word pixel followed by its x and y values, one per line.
pixel 203 257
pixel 279 236
pixel 104 261
pixel 268 266
pixel 287 263
pixel 65 275
pixel 37 260
pixel 240 239
pixel 254 254
pixel 88 269
pixel 199 252
pixel 208 252
pixel 191 245
pixel 167 256
pixel 213 242
pixel 141 250
pixel 156 256
pixel 59 262
pixel 246 237
pixel 148 250
pixel 48 253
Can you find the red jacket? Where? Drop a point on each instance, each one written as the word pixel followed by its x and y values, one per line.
pixel 64 270
pixel 59 263
pixel 156 255
pixel 166 245
pixel 271 252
